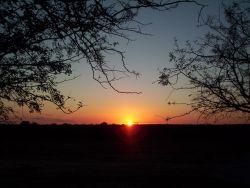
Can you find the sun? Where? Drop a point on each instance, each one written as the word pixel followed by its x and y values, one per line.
pixel 130 123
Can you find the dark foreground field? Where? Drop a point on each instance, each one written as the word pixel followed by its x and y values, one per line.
pixel 119 156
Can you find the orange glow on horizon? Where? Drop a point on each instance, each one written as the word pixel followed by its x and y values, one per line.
pixel 128 115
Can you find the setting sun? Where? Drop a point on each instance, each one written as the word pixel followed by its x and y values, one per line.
pixel 130 123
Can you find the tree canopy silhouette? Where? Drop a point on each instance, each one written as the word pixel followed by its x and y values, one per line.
pixel 40 39
pixel 216 67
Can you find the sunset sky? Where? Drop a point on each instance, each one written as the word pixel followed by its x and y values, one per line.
pixel 146 55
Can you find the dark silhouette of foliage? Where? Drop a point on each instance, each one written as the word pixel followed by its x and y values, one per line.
pixel 216 66
pixel 40 39
pixel 104 123
pixel 25 123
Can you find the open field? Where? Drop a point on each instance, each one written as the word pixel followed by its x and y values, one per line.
pixel 120 156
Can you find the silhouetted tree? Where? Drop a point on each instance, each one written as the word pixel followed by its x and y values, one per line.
pixel 25 123
pixel 40 39
pixel 216 67
pixel 104 123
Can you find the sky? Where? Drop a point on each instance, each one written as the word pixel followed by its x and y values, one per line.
pixel 147 54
